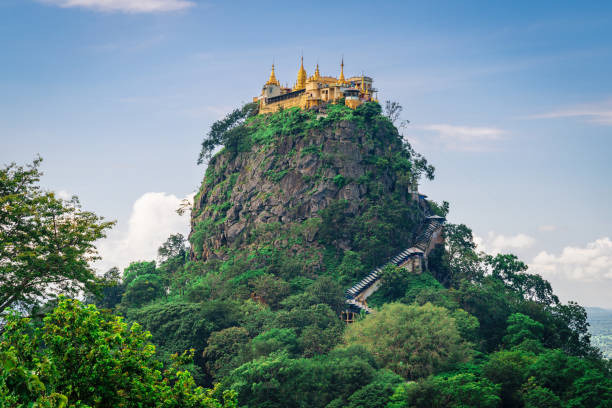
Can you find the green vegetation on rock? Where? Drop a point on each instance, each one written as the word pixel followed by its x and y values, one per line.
pixel 296 207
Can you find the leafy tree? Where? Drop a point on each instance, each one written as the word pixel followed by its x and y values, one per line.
pixel 280 381
pixel 351 268
pixel 556 371
pixel 467 325
pixel 143 289
pixel 413 341
pixel 454 391
pixel 112 291
pixel 490 304
pixel 226 131
pixel 509 370
pixel 510 270
pixel 136 269
pixel 222 354
pixel 318 327
pixel 81 357
pixel 274 340
pixel 176 327
pixel 393 110
pixel 174 247
pixel 325 290
pixel 394 281
pixel 594 389
pixel 377 393
pixel 270 288
pixel 572 330
pixel 461 257
pixel 522 328
pixel 535 396
pixel 46 243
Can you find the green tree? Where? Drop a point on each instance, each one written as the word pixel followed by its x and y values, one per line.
pixel 112 290
pixel 461 257
pixel 270 288
pixel 174 247
pixel 318 327
pixel 510 270
pixel 222 354
pixel 522 328
pixel 351 268
pixel 143 289
pixel 535 396
pixel 278 381
pixel 454 391
pixel 81 357
pixel 394 282
pixel 489 302
pixel 226 131
pixel 592 390
pixel 413 341
pixel 46 243
pixel 326 290
pixel 377 393
pixel 509 369
pixel 571 330
pixel 136 269
pixel 274 340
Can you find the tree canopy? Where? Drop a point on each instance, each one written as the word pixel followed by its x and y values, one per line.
pixel 46 243
pixel 81 357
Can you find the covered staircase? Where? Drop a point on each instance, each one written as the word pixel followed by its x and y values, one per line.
pixel 413 258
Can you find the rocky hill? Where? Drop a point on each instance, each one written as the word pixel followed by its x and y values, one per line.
pixel 330 177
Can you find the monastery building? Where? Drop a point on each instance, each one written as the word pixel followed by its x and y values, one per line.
pixel 315 90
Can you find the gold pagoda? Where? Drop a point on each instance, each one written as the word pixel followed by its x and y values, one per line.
pixel 314 90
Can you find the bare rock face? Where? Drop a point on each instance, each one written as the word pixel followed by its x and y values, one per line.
pixel 288 181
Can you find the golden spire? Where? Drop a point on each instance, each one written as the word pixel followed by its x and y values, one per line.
pixel 317 75
pixel 273 80
pixel 301 78
pixel 341 79
pixel 362 82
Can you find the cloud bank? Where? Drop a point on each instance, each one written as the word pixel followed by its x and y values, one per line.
pixel 463 138
pixel 495 243
pixel 152 221
pixel 125 6
pixel 600 113
pixel 590 263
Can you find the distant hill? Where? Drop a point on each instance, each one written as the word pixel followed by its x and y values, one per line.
pixel 601 329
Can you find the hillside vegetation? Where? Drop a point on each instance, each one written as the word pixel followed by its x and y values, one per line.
pixel 294 208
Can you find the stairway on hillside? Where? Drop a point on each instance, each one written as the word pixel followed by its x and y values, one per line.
pixel 356 296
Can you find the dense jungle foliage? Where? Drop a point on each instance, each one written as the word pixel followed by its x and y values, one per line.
pixel 260 327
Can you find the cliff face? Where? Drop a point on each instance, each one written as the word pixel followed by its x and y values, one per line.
pixel 319 173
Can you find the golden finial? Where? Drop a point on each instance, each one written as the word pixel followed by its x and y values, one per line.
pixel 273 80
pixel 301 78
pixel 317 75
pixel 341 79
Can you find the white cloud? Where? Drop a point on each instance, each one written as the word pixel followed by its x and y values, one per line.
pixel 127 6
pixel 151 222
pixel 495 243
pixel 63 194
pixel 465 138
pixel 600 113
pixel 590 263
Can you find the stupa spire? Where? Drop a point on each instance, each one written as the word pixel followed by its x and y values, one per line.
pixel 272 80
pixel 301 77
pixel 341 79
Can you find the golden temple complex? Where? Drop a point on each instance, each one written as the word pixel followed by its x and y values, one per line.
pixel 314 90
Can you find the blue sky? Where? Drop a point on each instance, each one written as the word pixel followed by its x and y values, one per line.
pixel 512 102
